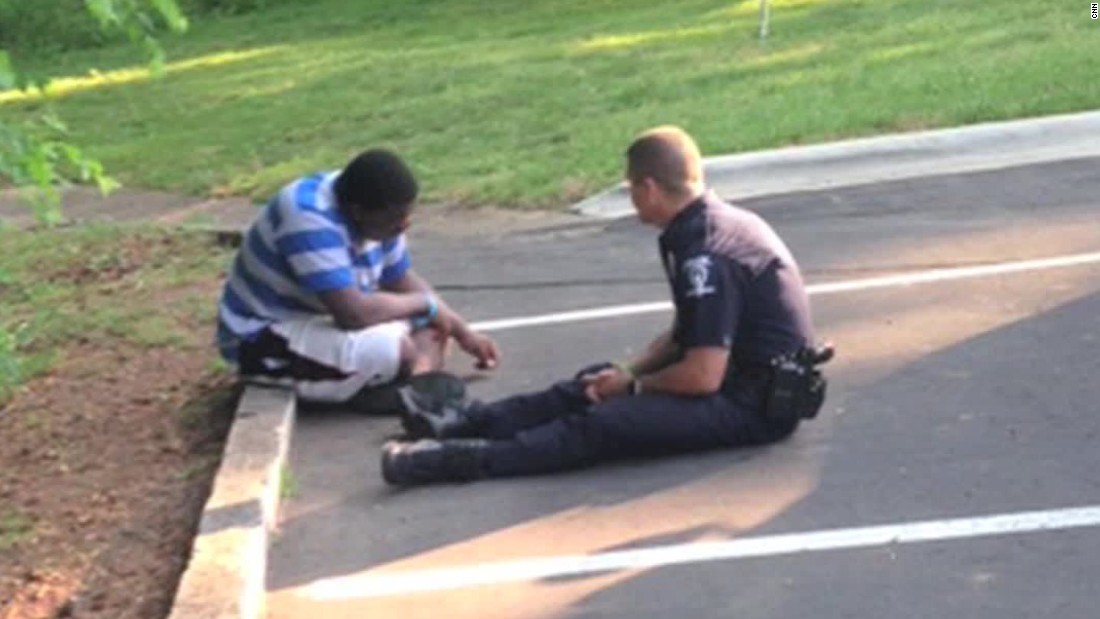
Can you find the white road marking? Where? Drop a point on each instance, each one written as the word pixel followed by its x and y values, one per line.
pixel 855 285
pixel 611 311
pixel 525 570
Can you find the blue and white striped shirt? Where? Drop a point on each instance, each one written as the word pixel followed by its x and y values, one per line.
pixel 298 247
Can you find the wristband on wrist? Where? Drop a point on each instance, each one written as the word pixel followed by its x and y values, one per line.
pixel 433 306
pixel 636 386
pixel 625 369
pixel 425 319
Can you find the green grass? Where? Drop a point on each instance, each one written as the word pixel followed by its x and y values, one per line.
pixel 14 528
pixel 531 102
pixel 99 285
pixel 288 483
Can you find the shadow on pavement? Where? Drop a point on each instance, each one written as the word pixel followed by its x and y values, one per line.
pixel 1000 423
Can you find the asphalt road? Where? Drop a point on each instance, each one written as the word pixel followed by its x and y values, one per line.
pixel 958 399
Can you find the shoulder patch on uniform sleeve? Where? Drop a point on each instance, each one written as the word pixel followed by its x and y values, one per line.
pixel 697 271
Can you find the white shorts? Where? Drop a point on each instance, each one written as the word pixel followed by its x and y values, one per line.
pixel 323 362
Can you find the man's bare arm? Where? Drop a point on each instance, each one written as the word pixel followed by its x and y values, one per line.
pixel 411 282
pixel 352 310
pixel 483 348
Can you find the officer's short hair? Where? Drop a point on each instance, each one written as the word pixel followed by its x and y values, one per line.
pixel 376 180
pixel 669 156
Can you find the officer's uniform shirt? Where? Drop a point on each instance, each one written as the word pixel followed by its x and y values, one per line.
pixel 734 283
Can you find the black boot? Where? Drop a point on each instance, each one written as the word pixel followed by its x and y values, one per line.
pixel 428 461
pixel 426 417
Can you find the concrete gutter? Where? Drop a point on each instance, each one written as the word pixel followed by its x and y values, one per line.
pixel 973 148
pixel 225 578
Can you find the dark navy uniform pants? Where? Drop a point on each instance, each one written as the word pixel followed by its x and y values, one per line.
pixel 558 429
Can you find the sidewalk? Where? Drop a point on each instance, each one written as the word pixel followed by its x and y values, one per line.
pixel 976 148
pixel 82 205
pixel 86 205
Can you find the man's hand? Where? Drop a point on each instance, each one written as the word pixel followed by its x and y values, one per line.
pixel 606 384
pixel 480 347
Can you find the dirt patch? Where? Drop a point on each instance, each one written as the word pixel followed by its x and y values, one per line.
pixel 91 261
pixel 108 452
pixel 106 465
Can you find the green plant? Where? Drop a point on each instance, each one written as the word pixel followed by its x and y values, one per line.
pixel 36 151
pixel 38 156
pixel 140 20
pixel 49 26
pixel 231 7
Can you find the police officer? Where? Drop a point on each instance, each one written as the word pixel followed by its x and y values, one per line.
pixel 703 384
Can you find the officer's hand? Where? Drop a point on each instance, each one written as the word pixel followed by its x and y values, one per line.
pixel 606 384
pixel 592 370
pixel 481 347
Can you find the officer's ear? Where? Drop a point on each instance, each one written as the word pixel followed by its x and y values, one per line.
pixel 647 187
pixel 659 195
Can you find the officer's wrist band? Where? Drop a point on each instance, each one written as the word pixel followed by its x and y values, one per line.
pixel 625 369
pixel 425 319
pixel 636 386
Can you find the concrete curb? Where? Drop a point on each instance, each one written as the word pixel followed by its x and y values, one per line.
pixel 974 148
pixel 225 578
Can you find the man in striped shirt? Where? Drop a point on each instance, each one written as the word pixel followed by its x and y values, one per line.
pixel 322 295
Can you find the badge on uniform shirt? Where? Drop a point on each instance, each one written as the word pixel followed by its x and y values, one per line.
pixel 697 272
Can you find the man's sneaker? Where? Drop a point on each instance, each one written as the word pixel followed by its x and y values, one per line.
pixel 425 417
pixel 444 389
pixel 387 400
pixel 382 401
pixel 429 461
